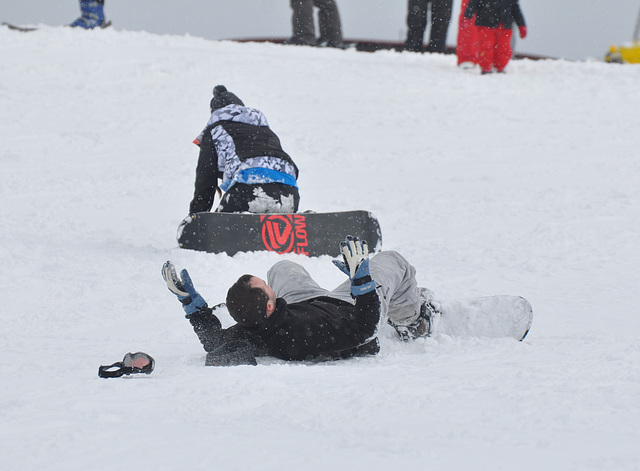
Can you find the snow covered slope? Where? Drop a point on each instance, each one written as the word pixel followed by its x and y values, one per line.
pixel 526 183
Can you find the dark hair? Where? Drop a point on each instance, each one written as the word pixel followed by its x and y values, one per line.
pixel 247 305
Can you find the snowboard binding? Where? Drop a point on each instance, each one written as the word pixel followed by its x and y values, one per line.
pixel 426 324
pixel 92 15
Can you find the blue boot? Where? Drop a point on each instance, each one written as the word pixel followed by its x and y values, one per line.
pixel 92 15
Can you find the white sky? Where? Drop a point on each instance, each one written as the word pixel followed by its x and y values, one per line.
pixel 573 29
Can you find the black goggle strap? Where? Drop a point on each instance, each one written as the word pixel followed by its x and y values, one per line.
pixel 132 363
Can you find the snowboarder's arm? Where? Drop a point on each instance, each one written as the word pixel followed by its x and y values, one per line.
pixel 224 347
pixel 183 288
pixel 518 16
pixel 208 328
pixel 368 313
pixel 206 325
pixel 355 264
pixel 472 6
pixel 207 174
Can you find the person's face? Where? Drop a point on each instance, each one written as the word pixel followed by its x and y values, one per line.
pixel 261 284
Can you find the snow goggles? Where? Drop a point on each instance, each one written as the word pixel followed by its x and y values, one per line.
pixel 132 363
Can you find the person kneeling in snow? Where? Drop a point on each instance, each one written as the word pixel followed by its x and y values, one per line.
pixel 292 318
pixel 238 147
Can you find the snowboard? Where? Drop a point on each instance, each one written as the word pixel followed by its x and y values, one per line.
pixel 490 316
pixel 26 29
pixel 19 28
pixel 312 234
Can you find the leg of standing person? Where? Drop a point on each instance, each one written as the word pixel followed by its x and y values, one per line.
pixel 92 15
pixel 440 19
pixel 416 24
pixel 329 22
pixel 467 44
pixel 503 50
pixel 486 50
pixel 304 31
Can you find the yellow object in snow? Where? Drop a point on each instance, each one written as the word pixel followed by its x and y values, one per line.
pixel 627 53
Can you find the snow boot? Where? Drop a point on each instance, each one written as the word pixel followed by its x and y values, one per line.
pixel 427 322
pixel 92 15
pixel 413 45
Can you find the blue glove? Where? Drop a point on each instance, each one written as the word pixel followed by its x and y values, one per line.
pixel 183 288
pixel 355 264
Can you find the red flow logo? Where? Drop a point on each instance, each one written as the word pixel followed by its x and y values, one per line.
pixel 277 232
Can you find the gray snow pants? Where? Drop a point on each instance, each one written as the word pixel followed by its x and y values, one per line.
pixel 304 29
pixel 398 290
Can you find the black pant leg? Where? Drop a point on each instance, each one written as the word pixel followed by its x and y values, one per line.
pixel 416 24
pixel 260 199
pixel 440 19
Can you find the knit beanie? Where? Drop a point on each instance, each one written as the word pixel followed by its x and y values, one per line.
pixel 222 97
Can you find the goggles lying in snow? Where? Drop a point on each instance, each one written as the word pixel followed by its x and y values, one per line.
pixel 132 363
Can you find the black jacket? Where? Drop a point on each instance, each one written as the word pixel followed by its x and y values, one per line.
pixel 315 330
pixel 246 136
pixel 491 13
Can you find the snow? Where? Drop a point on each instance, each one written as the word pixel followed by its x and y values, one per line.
pixel 525 183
